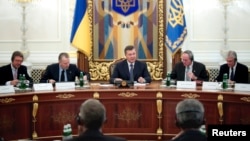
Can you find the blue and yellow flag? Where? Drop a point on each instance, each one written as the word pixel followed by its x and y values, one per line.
pixel 176 30
pixel 80 34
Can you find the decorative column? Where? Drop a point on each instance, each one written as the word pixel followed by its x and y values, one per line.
pixel 24 49
pixel 159 105
pixel 225 47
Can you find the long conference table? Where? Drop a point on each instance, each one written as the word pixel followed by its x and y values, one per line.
pixel 137 113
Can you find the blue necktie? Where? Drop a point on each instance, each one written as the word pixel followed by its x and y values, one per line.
pixel 131 74
pixel 232 74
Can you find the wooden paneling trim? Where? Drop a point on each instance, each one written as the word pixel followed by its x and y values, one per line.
pixel 136 113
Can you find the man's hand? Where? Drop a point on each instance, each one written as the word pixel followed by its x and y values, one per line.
pixel 141 80
pixel 117 79
pixel 191 76
pixel 14 82
pixel 51 81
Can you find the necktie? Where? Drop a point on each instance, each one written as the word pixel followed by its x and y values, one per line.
pixel 131 74
pixel 62 76
pixel 15 74
pixel 186 74
pixel 232 74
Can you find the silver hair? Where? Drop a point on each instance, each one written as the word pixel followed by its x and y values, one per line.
pixel 190 54
pixel 232 54
pixel 190 113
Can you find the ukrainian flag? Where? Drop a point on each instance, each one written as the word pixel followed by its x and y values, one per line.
pixel 80 34
pixel 176 30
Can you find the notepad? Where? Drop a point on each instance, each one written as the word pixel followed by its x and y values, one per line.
pixel 186 85
pixel 43 87
pixel 7 89
pixel 210 85
pixel 241 87
pixel 64 85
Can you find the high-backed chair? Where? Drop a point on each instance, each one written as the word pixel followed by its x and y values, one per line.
pixel 208 74
pixel 176 57
pixel 112 65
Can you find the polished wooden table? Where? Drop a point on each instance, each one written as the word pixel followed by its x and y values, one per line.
pixel 137 113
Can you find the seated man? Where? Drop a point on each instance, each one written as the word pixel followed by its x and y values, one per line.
pixel 188 69
pixel 90 120
pixel 10 73
pixel 130 69
pixel 189 118
pixel 236 71
pixel 62 71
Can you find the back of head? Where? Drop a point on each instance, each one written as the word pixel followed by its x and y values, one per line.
pixel 189 114
pixel 232 54
pixel 92 114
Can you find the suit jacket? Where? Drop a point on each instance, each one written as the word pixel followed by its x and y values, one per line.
pixel 240 73
pixel 6 74
pixel 121 70
pixel 52 72
pixel 191 135
pixel 96 135
pixel 199 71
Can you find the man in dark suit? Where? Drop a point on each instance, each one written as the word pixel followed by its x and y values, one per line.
pixel 10 73
pixel 62 71
pixel 189 118
pixel 90 120
pixel 122 70
pixel 236 71
pixel 188 69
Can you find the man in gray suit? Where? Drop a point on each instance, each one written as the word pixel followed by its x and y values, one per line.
pixel 131 69
pixel 188 69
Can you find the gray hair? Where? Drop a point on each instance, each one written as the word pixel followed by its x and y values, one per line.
pixel 190 54
pixel 92 114
pixel 190 113
pixel 232 54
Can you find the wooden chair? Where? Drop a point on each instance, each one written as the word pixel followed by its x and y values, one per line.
pixel 112 65
pixel 176 57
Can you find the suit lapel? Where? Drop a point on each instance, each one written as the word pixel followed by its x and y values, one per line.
pixel 182 69
pixel 69 74
pixel 57 72
pixel 236 69
pixel 9 73
pixel 136 67
pixel 126 68
pixel 195 69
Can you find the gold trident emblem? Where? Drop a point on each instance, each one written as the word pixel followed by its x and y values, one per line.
pixel 125 4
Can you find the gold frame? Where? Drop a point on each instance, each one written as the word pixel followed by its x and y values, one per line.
pixel 99 70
